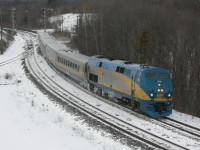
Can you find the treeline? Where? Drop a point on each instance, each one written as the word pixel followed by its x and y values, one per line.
pixel 161 33
pixel 29 15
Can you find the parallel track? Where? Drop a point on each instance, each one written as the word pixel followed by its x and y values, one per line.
pixel 182 126
pixel 18 57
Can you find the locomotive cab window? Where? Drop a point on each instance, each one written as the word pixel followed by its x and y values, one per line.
pixel 164 75
pixel 150 75
pixel 137 76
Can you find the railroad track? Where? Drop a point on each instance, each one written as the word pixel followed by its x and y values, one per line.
pixel 123 126
pixel 18 57
pixel 167 123
pixel 182 126
pixel 22 55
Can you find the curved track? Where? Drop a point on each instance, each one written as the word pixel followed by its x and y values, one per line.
pixel 111 120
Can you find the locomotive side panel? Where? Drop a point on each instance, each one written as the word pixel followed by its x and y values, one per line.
pixel 112 81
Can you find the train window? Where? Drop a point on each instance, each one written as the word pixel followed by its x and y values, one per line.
pixel 122 70
pixel 164 75
pixel 75 66
pixel 117 69
pixel 100 64
pixel 137 76
pixel 70 64
pixel 93 77
pixel 78 68
pixel 150 75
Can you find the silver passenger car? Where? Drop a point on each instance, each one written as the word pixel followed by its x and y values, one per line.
pixel 71 63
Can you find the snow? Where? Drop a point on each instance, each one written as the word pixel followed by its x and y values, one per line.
pixel 69 21
pixel 185 118
pixel 31 120
pixel 170 135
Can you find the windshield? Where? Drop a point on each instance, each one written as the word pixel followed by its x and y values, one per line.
pixel 154 75
pixel 164 75
pixel 150 75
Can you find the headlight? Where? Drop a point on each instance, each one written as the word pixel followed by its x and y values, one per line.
pixel 152 95
pixel 162 90
pixel 169 95
pixel 158 90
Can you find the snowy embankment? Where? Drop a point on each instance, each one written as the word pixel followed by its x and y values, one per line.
pixel 29 120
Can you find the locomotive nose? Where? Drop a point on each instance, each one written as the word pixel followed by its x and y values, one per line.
pixel 158 85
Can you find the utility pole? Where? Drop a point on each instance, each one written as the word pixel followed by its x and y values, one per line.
pixel 13 18
pixel 1 47
pixel 27 18
pixel 62 24
pixel 44 18
pixel 44 11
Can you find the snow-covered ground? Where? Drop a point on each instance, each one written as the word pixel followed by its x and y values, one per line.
pixel 31 121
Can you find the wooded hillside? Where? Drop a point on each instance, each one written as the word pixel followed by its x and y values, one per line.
pixel 161 33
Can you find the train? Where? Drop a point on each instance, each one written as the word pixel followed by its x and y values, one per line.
pixel 141 87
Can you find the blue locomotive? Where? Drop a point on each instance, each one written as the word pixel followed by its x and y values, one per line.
pixel 142 87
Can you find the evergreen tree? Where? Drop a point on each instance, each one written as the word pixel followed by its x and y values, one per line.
pixel 143 46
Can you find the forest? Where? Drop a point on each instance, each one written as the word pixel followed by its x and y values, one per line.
pixel 161 33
